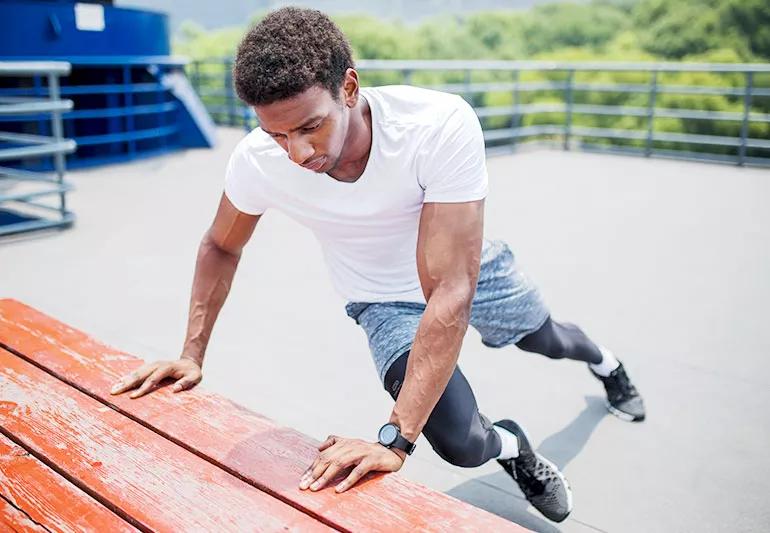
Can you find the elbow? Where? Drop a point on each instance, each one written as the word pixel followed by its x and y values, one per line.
pixel 454 300
pixel 210 245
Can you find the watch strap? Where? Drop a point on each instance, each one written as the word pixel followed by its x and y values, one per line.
pixel 402 444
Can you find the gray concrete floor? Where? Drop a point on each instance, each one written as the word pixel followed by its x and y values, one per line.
pixel 665 262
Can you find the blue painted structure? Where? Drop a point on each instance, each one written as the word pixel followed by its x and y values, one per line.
pixel 131 97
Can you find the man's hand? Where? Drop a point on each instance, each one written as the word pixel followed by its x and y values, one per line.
pixel 338 454
pixel 186 372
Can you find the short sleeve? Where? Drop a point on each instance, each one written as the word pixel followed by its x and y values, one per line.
pixel 242 182
pixel 452 165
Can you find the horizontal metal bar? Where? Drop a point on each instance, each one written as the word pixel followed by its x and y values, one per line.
pixel 38 205
pixel 111 61
pixel 115 88
pixel 127 136
pixel 22 196
pixel 512 133
pixel 586 109
pixel 30 68
pixel 122 111
pixel 62 147
pixel 166 107
pixel 26 138
pixel 21 106
pixel 26 175
pixel 615 133
pixel 41 223
pixel 578 66
pixel 640 88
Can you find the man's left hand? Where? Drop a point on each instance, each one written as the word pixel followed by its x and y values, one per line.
pixel 338 454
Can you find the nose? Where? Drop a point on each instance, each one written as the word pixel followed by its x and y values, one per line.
pixel 299 151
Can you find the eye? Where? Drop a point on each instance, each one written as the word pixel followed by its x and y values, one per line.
pixel 311 128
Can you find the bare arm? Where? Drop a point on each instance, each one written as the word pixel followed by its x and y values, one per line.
pixel 448 257
pixel 218 257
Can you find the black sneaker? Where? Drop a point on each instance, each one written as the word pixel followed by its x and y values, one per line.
pixel 623 400
pixel 540 480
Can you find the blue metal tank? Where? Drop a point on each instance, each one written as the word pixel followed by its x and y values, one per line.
pixel 131 97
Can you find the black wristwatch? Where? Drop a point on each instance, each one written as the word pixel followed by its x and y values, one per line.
pixel 390 437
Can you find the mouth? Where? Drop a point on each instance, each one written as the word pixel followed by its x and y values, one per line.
pixel 316 164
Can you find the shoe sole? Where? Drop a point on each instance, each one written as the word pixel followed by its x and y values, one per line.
pixel 561 477
pixel 567 488
pixel 621 415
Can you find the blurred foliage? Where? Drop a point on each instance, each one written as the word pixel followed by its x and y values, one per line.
pixel 713 31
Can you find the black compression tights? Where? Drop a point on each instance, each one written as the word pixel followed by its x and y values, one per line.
pixel 456 429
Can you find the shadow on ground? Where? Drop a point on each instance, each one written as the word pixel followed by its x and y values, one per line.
pixel 498 494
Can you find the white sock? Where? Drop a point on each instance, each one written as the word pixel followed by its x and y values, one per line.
pixel 607 364
pixel 510 444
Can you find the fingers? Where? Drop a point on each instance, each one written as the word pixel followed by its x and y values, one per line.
pixel 187 382
pixel 328 470
pixel 363 468
pixel 152 381
pixel 133 379
pixel 329 462
pixel 330 441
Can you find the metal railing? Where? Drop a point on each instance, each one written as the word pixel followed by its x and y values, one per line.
pixel 123 109
pixel 34 200
pixel 649 109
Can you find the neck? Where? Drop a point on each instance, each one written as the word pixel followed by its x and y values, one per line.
pixel 357 145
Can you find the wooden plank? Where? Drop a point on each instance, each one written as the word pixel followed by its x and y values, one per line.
pixel 48 499
pixel 142 477
pixel 14 519
pixel 250 445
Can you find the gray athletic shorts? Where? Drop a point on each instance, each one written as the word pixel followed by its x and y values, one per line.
pixel 506 308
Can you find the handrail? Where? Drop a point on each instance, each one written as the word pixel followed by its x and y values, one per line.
pixel 21 211
pixel 555 102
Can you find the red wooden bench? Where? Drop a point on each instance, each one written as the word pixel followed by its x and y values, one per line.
pixel 73 457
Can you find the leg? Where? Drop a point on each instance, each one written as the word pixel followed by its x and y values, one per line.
pixel 455 429
pixel 561 340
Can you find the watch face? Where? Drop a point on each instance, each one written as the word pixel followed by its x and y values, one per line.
pixel 388 434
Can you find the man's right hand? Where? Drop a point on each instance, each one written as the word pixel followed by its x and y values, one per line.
pixel 186 372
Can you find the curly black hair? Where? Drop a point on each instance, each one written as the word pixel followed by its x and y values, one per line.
pixel 286 53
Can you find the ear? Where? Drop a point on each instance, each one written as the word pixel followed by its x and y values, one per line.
pixel 350 87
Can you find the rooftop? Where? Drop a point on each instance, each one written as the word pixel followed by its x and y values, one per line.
pixel 664 262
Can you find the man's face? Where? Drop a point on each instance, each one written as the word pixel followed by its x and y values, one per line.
pixel 310 126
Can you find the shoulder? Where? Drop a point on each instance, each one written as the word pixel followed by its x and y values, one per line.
pixel 415 106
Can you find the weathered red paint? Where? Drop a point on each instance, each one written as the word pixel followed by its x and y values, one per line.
pixel 134 471
pixel 47 498
pixel 257 449
pixel 14 519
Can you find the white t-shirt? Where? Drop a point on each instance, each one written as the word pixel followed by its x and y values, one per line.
pixel 427 146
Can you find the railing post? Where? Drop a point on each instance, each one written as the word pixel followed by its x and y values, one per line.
pixel 128 103
pixel 469 96
pixel 515 119
pixel 651 100
pixel 568 105
pixel 58 135
pixel 407 76
pixel 228 80
pixel 160 99
pixel 746 111
pixel 196 77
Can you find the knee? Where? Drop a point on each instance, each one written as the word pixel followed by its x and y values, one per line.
pixel 466 452
pixel 544 341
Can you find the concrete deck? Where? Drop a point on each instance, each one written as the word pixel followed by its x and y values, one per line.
pixel 665 262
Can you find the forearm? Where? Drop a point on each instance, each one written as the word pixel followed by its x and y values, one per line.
pixel 214 272
pixel 432 359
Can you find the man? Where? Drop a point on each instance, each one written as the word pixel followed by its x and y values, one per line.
pixel 392 181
